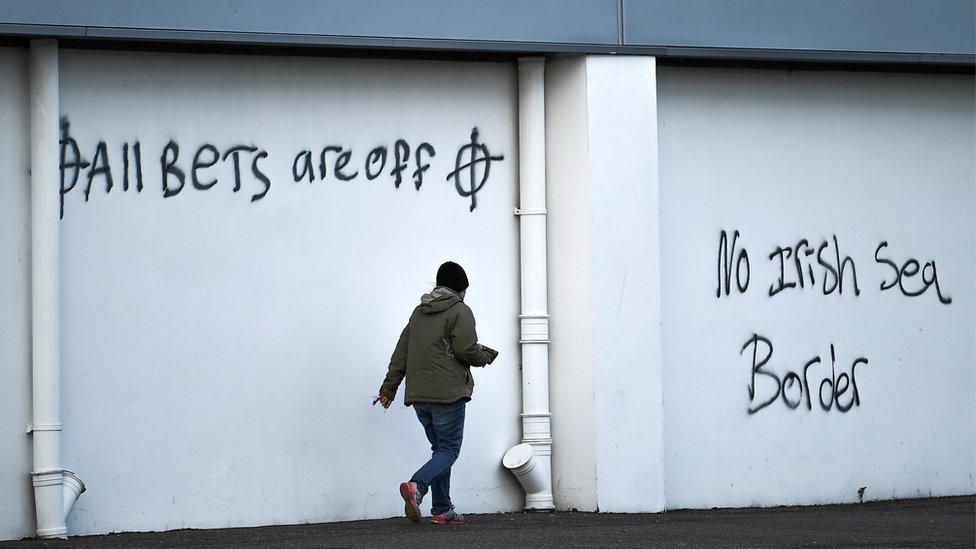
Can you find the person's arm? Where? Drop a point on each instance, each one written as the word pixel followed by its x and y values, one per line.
pixel 398 368
pixel 464 340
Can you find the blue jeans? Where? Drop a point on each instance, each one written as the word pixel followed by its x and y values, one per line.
pixel 444 426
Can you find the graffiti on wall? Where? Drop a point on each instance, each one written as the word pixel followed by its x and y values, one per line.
pixel 180 169
pixel 822 269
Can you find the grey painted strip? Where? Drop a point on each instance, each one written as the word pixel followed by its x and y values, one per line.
pixel 818 56
pixel 14 29
pixel 237 37
pixel 949 59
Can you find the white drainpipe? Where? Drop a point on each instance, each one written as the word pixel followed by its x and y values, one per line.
pixel 533 469
pixel 53 496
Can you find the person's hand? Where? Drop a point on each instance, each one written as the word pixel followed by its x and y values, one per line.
pixel 492 354
pixel 384 401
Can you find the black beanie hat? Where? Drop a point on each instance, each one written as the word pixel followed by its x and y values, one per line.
pixel 452 276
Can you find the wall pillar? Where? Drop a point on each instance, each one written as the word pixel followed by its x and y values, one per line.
pixel 605 296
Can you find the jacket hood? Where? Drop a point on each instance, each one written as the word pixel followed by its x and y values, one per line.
pixel 438 300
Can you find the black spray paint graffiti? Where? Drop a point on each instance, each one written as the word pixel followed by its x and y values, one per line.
pixel 835 271
pixel 373 165
pixel 172 177
pixel 335 160
pixel 171 153
pixel 794 388
pixel 475 148
pixel 796 269
pixel 908 270
pixel 725 258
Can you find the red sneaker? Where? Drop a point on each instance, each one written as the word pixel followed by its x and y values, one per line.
pixel 450 517
pixel 411 499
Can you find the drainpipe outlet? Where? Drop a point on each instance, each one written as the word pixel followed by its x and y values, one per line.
pixel 531 474
pixel 73 487
pixel 55 492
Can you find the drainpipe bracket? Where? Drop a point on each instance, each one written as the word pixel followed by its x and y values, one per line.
pixel 43 427
pixel 542 446
pixel 47 477
pixel 534 328
pixel 530 211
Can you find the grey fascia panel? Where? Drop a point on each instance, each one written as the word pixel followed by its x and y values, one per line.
pixel 879 26
pixel 745 54
pixel 856 31
pixel 557 21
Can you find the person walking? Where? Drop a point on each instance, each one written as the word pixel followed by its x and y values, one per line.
pixel 435 353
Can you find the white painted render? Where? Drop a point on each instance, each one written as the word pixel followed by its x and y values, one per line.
pixel 16 497
pixel 220 355
pixel 782 156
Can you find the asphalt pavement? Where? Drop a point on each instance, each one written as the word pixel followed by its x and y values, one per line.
pixel 934 522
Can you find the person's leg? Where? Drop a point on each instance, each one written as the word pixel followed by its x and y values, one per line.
pixel 448 423
pixel 412 495
pixel 444 425
pixel 426 417
pixel 441 491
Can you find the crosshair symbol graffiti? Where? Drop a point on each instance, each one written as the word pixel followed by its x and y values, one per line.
pixel 478 155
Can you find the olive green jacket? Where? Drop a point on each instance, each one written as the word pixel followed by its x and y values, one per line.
pixel 436 351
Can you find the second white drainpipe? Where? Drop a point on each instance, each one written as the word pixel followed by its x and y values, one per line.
pixel 533 469
pixel 55 489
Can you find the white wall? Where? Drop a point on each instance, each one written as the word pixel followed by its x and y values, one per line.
pixel 220 354
pixel 16 497
pixel 603 228
pixel 781 156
